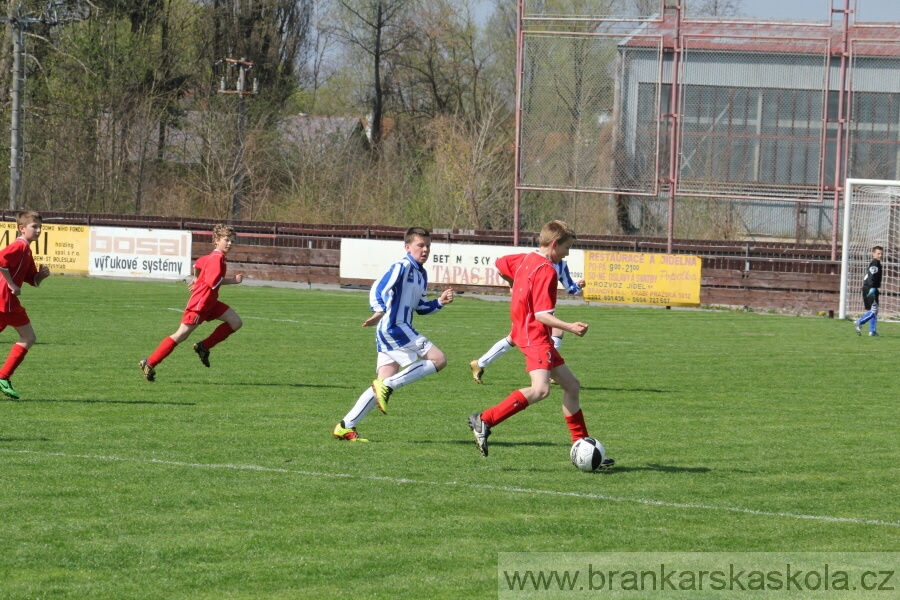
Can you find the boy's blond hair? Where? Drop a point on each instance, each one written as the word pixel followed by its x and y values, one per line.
pixel 556 231
pixel 221 231
pixel 414 232
pixel 27 217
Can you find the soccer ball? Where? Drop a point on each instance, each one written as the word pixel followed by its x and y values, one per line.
pixel 587 454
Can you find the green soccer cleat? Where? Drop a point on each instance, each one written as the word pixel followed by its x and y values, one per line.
pixel 477 371
pixel 8 390
pixel 348 434
pixel 149 372
pixel 382 394
pixel 203 353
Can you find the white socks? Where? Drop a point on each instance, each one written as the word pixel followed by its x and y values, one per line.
pixel 366 401
pixel 415 372
pixel 496 351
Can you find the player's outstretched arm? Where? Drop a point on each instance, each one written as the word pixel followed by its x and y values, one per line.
pixel 373 320
pixel 233 280
pixel 548 319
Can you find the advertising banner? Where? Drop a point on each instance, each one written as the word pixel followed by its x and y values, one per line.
pixel 640 278
pixel 448 264
pixel 63 248
pixel 150 253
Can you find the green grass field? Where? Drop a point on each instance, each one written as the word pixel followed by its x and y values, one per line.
pixel 732 431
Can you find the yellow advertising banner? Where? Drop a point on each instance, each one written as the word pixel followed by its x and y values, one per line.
pixel 63 248
pixel 641 278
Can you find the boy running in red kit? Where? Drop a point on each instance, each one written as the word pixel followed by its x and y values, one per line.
pixel 531 309
pixel 204 305
pixel 17 267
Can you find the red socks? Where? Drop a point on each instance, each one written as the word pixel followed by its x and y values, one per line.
pixel 168 344
pixel 513 404
pixel 219 334
pixel 576 426
pixel 162 351
pixel 516 402
pixel 16 356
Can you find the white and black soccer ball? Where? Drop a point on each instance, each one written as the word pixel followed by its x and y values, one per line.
pixel 587 454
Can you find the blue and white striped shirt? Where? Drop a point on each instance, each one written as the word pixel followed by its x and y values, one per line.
pixel 399 292
pixel 565 278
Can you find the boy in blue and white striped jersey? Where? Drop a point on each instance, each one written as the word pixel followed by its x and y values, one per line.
pixel 393 299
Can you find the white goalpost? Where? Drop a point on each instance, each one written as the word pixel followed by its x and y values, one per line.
pixel 871 218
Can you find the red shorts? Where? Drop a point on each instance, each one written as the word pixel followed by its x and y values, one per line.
pixel 210 314
pixel 15 318
pixel 542 356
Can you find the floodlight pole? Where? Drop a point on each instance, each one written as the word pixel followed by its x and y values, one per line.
pixel 675 120
pixel 16 155
pixel 842 136
pixel 15 162
pixel 517 191
pixel 238 176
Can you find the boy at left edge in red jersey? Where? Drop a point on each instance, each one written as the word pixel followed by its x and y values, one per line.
pixel 17 267
pixel 204 305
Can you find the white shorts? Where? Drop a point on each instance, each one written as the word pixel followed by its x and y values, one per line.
pixel 406 355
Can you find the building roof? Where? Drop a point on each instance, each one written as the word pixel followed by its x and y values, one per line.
pixel 302 129
pixel 871 39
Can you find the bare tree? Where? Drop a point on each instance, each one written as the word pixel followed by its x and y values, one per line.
pixel 645 8
pixel 377 28
pixel 272 34
pixel 716 8
pixel 322 34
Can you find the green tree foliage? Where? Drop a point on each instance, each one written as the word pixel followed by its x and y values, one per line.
pixel 124 111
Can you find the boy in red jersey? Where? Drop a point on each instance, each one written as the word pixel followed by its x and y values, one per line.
pixel 204 305
pixel 17 267
pixel 531 308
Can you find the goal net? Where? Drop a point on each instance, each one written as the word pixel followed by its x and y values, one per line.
pixel 871 218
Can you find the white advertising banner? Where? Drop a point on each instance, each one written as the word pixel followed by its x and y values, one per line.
pixel 448 264
pixel 129 252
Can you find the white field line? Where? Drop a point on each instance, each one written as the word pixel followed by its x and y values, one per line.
pixel 477 486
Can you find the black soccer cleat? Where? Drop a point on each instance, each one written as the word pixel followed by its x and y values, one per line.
pixel 203 353
pixel 149 372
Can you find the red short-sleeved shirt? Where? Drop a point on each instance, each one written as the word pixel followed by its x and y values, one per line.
pixel 533 292
pixel 509 264
pixel 205 293
pixel 18 260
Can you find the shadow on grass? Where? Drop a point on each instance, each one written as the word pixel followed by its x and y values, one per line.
pixel 24 439
pixel 295 385
pixel 656 467
pixel 55 400
pixel 469 442
pixel 609 389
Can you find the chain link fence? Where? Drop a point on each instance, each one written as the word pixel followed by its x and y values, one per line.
pixel 753 126
pixel 574 135
pixel 743 134
pixel 875 110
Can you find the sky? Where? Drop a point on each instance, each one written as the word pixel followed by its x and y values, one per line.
pixel 867 10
